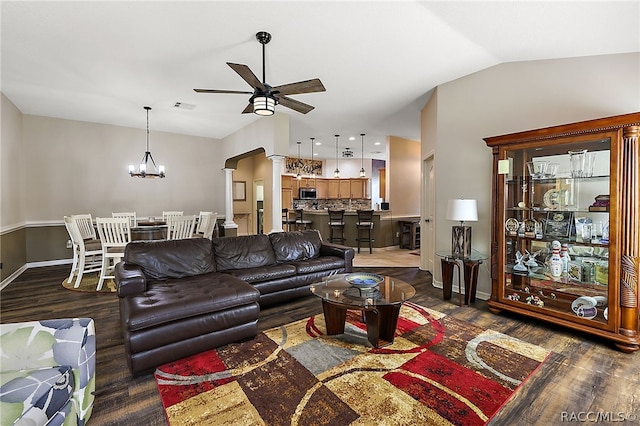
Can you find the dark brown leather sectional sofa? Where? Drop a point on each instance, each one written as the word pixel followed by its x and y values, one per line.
pixel 181 297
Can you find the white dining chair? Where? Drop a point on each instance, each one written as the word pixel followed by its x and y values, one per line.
pixel 115 234
pixel 85 226
pixel 133 218
pixel 202 222
pixel 87 255
pixel 166 215
pixel 206 225
pixel 180 227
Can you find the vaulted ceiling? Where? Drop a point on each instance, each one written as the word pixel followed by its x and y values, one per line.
pixel 102 61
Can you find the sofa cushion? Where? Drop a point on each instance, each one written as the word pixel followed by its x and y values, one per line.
pixel 251 251
pixel 35 396
pixel 264 273
pixel 176 299
pixel 324 263
pixel 161 260
pixel 296 245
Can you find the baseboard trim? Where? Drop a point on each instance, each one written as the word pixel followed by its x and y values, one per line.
pixel 30 265
pixel 13 276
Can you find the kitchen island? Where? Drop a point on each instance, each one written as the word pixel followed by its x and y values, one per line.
pixel 385 226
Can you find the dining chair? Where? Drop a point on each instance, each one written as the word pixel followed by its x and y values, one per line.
pixel 180 227
pixel 85 226
pixel 87 255
pixel 133 218
pixel 206 224
pixel 115 234
pixel 202 222
pixel 172 213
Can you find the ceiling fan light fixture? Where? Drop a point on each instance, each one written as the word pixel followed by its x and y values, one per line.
pixel 264 105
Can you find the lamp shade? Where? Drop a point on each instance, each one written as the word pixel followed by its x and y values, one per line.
pixel 462 210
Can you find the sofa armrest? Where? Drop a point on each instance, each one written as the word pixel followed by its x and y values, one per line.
pixel 129 279
pixel 345 252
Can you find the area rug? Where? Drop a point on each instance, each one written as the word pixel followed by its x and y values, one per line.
pixel 89 283
pixel 439 370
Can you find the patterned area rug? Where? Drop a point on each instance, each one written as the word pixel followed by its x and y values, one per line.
pixel 89 283
pixel 439 370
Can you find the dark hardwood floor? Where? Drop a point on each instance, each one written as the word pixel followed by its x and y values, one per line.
pixel 589 379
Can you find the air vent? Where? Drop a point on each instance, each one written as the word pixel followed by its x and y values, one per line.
pixel 182 105
pixel 347 153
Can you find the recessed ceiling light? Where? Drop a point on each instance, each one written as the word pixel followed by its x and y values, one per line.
pixel 318 143
pixel 377 143
pixel 352 138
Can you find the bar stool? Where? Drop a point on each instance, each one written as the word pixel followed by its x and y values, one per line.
pixel 336 223
pixel 365 225
pixel 286 220
pixel 301 223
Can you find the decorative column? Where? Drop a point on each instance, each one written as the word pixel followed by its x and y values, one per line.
pixel 276 205
pixel 228 200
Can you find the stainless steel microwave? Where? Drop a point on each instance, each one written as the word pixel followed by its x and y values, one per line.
pixel 307 194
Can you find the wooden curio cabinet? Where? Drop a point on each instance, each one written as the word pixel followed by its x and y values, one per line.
pixel 565 226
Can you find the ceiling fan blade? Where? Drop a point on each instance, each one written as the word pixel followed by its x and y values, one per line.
pixel 294 105
pixel 222 91
pixel 307 86
pixel 248 109
pixel 247 75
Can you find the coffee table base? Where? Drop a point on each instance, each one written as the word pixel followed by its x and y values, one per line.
pixel 381 321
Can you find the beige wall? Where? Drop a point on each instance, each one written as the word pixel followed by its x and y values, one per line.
pixel 13 248
pixel 82 167
pixel 509 98
pixel 403 176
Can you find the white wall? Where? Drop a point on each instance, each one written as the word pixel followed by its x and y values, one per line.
pixel 75 167
pixel 509 98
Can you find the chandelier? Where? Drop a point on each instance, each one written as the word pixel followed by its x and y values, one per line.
pixel 144 171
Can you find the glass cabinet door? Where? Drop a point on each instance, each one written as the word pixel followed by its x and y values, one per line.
pixel 556 228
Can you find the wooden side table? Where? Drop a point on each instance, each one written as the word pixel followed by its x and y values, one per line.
pixel 470 264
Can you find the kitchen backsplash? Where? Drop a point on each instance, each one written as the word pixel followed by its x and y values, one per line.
pixel 333 204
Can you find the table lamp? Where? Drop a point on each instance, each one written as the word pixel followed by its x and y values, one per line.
pixel 463 211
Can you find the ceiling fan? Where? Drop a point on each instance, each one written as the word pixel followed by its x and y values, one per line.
pixel 265 97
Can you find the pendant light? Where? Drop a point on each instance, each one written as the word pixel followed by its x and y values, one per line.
pixel 144 171
pixel 362 172
pixel 299 176
pixel 336 172
pixel 313 168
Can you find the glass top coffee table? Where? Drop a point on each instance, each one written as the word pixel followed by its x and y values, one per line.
pixel 379 298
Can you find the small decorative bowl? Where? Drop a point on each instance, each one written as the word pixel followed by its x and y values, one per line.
pixel 363 280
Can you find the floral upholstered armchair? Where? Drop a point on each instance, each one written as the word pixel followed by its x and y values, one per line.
pixel 47 372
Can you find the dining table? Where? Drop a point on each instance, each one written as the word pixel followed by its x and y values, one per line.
pixel 147 230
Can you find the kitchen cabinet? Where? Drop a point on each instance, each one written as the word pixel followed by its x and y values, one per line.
pixel 322 185
pixel 565 226
pixel 345 188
